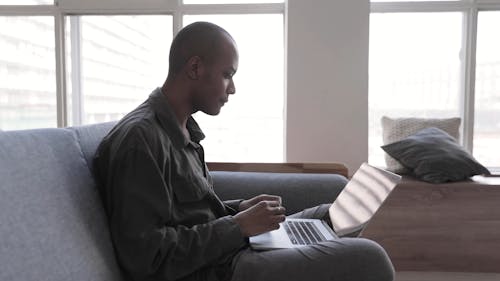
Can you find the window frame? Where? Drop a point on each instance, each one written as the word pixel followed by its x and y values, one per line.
pixel 470 9
pixel 63 8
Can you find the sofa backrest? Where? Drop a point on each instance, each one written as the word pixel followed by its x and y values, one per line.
pixel 298 191
pixel 89 137
pixel 53 226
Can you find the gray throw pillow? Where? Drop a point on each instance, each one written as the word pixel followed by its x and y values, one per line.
pixel 434 156
pixel 395 129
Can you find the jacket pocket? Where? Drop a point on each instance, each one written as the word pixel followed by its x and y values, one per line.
pixel 191 189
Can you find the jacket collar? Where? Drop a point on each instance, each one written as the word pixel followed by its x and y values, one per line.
pixel 167 119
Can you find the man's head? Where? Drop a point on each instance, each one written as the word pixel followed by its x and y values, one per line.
pixel 205 57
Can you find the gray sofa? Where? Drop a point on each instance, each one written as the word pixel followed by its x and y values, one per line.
pixel 52 224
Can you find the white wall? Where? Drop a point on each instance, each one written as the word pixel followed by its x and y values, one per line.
pixel 327 81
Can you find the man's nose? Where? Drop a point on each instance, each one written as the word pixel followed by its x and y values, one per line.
pixel 231 90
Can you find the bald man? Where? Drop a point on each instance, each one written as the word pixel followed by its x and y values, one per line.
pixel 166 221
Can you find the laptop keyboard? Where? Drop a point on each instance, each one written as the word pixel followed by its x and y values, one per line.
pixel 303 232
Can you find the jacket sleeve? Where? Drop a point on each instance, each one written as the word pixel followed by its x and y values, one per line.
pixel 146 244
pixel 232 206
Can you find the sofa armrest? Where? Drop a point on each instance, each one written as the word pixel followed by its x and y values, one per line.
pixel 298 190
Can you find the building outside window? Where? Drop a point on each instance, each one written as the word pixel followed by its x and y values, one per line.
pixel 487 90
pixel 27 71
pixel 112 59
pixel 435 59
pixel 82 62
pixel 115 62
pixel 253 118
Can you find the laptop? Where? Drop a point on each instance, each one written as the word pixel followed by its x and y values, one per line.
pixel 351 211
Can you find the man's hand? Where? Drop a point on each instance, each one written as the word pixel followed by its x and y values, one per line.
pixel 262 217
pixel 245 204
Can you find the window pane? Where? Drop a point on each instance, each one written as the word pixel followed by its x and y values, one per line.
pixel 413 0
pixel 26 2
pixel 414 69
pixel 120 60
pixel 27 73
pixel 250 126
pixel 487 106
pixel 231 1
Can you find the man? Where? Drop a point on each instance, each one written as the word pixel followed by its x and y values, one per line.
pixel 166 221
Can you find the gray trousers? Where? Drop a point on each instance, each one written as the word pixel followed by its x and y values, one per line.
pixel 345 259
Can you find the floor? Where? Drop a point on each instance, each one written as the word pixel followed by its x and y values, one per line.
pixel 446 276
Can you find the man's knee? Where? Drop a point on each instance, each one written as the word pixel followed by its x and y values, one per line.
pixel 373 261
pixel 349 259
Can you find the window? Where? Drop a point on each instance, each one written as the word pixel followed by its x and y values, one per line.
pixel 85 62
pixel 422 57
pixel 487 94
pixel 27 71
pixel 116 62
pixel 26 2
pixel 411 0
pixel 414 69
pixel 232 1
pixel 250 126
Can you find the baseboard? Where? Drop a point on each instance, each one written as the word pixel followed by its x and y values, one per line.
pixel 445 276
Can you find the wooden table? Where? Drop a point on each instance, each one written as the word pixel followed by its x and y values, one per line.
pixel 317 168
pixel 441 227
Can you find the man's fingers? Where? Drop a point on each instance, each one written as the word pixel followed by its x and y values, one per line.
pixel 276 220
pixel 281 218
pixel 272 203
pixel 280 210
pixel 261 218
pixel 267 197
pixel 275 226
pixel 274 198
pixel 273 207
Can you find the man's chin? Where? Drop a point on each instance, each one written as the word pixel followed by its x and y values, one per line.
pixel 212 112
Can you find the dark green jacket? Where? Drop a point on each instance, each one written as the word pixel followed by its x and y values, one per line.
pixel 166 221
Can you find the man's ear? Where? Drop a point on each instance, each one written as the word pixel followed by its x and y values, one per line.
pixel 194 67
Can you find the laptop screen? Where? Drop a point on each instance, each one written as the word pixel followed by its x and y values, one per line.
pixel 361 198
